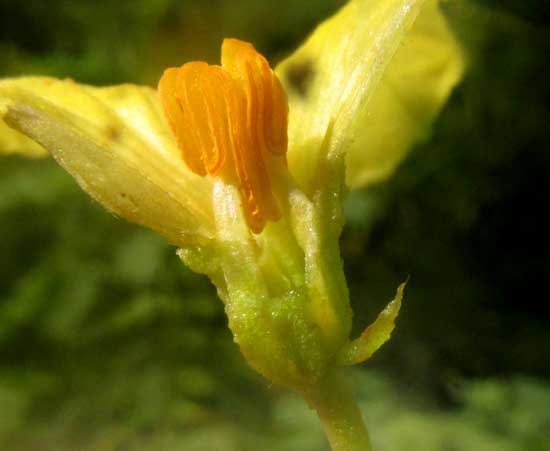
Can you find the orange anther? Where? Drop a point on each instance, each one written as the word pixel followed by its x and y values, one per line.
pixel 230 118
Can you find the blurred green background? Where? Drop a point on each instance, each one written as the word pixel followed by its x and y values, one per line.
pixel 107 342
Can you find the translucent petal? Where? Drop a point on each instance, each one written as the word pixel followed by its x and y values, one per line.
pixel 13 142
pixel 117 145
pixel 415 86
pixel 333 83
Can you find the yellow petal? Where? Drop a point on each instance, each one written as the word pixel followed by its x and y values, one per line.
pixel 117 145
pixel 415 86
pixel 375 335
pixel 13 142
pixel 333 79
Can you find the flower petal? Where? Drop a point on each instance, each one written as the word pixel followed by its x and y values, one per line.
pixel 415 86
pixel 334 78
pixel 13 142
pixel 115 143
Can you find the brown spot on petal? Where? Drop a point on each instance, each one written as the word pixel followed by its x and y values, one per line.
pixel 113 133
pixel 299 76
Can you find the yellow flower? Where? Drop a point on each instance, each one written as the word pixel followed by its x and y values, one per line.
pixel 210 163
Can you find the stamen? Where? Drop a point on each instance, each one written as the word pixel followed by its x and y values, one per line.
pixel 230 121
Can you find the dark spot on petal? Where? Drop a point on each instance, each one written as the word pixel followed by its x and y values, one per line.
pixel 113 133
pixel 299 76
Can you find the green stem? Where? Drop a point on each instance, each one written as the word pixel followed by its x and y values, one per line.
pixel 340 415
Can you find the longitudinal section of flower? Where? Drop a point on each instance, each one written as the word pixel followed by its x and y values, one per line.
pixel 229 121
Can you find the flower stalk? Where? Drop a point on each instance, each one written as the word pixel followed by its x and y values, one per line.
pixel 339 414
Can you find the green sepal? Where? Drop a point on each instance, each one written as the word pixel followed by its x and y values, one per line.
pixel 375 335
